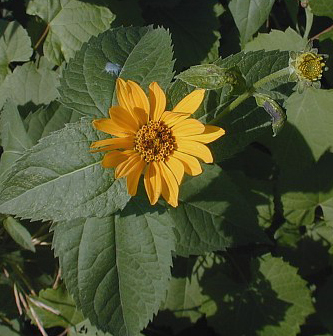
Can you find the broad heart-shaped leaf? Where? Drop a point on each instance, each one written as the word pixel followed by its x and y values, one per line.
pixel 70 24
pixel 85 328
pixel 311 114
pixel 194 27
pixel 55 307
pixel 277 39
pixel 117 267
pixel 321 7
pixel 49 119
pixel 15 45
pixel 302 192
pixel 213 215
pixel 249 15
pixel 255 65
pixel 60 179
pixel 14 137
pixel 244 125
pixel 144 55
pixel 28 83
pixel 281 298
pixel 19 233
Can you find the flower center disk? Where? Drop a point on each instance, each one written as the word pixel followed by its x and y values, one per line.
pixel 154 141
pixel 310 66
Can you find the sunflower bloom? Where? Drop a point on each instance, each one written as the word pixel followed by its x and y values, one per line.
pixel 162 145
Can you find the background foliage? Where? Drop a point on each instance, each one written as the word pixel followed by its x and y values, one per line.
pixel 248 251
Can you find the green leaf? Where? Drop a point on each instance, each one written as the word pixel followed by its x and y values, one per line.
pixel 49 119
pixel 281 298
pixel 117 274
pixel 14 137
pixel 144 55
pixel 55 308
pixel 85 328
pixel 70 23
pixel 244 125
pixel 15 45
pixel 194 27
pixel 211 77
pixel 302 192
pixel 249 15
pixel 277 39
pixel 60 179
pixel 19 233
pixel 30 84
pixel 321 7
pixel 311 115
pixel 255 65
pixel 184 296
pixel 213 215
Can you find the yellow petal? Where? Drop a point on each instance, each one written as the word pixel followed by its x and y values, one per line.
pixel 210 134
pixel 122 95
pixel 134 176
pixel 194 148
pixel 128 166
pixel 176 167
pixel 107 126
pixel 115 143
pixel 191 102
pixel 191 164
pixel 188 127
pixel 113 159
pixel 123 119
pixel 171 118
pixel 137 97
pixel 140 115
pixel 170 188
pixel 157 101
pixel 152 181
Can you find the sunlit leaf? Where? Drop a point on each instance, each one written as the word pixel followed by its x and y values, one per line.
pixel 69 24
pixel 144 55
pixel 321 7
pixel 60 179
pixel 277 39
pixel 15 45
pixel 118 273
pixel 249 15
pixel 14 137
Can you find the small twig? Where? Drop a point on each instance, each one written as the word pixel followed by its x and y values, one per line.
pixel 38 322
pixel 64 332
pixel 323 32
pixel 42 37
pixel 17 300
pixel 44 306
pixel 56 282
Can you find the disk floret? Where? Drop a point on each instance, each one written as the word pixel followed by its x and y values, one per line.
pixel 154 141
pixel 306 68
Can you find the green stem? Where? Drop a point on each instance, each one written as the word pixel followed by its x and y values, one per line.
pixel 247 94
pixel 308 24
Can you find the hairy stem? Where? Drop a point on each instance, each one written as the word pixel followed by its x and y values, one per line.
pixel 247 94
pixel 308 24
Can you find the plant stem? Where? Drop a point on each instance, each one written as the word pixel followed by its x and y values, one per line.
pixel 308 24
pixel 42 36
pixel 249 93
pixel 323 32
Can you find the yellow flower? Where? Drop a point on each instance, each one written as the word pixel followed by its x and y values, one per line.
pixel 306 67
pixel 148 140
